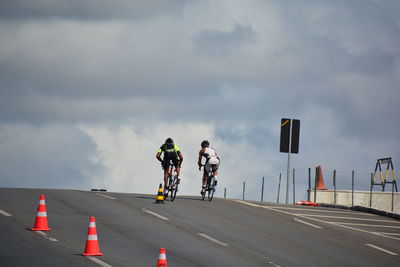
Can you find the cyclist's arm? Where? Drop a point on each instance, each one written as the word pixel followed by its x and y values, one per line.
pixel 201 152
pixel 158 155
pixel 180 157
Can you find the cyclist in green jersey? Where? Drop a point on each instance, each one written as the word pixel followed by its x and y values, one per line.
pixel 173 154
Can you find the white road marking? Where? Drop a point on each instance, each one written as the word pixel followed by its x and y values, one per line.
pixel 369 225
pixel 5 213
pixel 345 218
pixel 273 264
pixel 318 220
pixel 105 196
pixel 213 240
pixel 99 262
pixel 313 209
pixel 46 236
pixel 382 249
pixel 383 233
pixel 307 223
pixel 155 214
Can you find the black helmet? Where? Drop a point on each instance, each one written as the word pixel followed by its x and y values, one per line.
pixel 205 143
pixel 169 140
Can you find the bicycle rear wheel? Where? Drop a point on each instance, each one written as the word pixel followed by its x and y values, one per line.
pixel 174 189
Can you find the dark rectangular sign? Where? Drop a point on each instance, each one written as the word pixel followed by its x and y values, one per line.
pixel 285 132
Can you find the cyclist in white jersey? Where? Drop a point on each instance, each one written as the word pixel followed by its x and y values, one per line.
pixel 211 164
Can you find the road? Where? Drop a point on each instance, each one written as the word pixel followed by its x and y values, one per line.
pixel 131 229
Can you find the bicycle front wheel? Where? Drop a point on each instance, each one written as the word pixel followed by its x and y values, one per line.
pixel 174 189
pixel 210 194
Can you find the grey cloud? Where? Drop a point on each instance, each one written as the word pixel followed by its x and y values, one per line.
pixel 88 10
pixel 221 43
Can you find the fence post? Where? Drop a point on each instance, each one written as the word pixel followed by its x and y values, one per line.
pixel 244 188
pixel 370 191
pixel 315 184
pixel 279 187
pixel 225 192
pixel 392 195
pixel 352 188
pixel 262 190
pixel 294 187
pixel 334 187
pixel 309 185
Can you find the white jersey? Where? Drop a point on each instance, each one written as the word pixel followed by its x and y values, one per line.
pixel 209 152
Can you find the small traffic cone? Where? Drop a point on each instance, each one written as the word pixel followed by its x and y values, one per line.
pixel 92 244
pixel 160 195
pixel 41 217
pixel 162 258
pixel 320 179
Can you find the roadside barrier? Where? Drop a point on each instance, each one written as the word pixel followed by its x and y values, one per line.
pixel 162 258
pixel 306 203
pixel 41 217
pixel 160 195
pixel 92 243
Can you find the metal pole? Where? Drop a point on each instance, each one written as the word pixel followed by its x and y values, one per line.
pixel 225 192
pixel 244 188
pixel 262 190
pixel 334 187
pixel 393 183
pixel 288 161
pixel 309 185
pixel 352 188
pixel 279 187
pixel 370 191
pixel 294 187
pixel 315 184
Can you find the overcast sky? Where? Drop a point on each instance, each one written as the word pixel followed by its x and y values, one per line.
pixel 89 90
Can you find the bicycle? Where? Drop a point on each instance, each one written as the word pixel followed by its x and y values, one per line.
pixel 211 184
pixel 173 182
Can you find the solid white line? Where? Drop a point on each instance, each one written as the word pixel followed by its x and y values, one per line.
pixel 307 223
pixel 382 249
pixel 370 225
pixel 383 233
pixel 318 220
pixel 313 209
pixel 105 196
pixel 45 236
pixel 155 214
pixel 344 218
pixel 213 239
pixel 5 213
pixel 99 262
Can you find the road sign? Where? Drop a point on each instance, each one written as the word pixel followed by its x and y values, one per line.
pixel 288 134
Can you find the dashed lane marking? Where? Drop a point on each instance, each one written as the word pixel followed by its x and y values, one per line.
pixel 46 236
pixel 155 214
pixel 102 195
pixel 5 213
pixel 307 223
pixel 213 240
pixel 382 249
pixel 99 262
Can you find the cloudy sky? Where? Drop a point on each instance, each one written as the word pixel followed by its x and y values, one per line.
pixel 90 89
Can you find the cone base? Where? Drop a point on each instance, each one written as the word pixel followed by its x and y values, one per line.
pixel 92 254
pixel 40 229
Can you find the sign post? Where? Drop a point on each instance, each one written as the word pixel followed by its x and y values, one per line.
pixel 289 143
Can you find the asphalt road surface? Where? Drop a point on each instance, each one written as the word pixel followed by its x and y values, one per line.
pixel 131 229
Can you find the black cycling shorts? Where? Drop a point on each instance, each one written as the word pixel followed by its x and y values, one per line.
pixel 169 157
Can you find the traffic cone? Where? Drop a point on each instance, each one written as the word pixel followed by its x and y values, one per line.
pixel 320 179
pixel 92 244
pixel 41 217
pixel 162 258
pixel 160 195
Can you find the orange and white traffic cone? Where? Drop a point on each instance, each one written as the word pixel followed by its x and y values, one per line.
pixel 41 217
pixel 92 244
pixel 162 258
